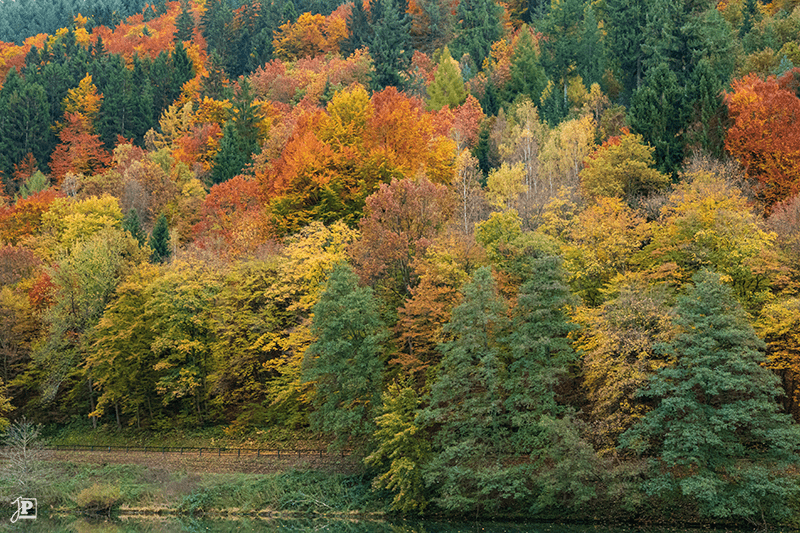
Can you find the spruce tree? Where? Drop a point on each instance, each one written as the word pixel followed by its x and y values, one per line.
pixel 184 24
pixel 344 361
pixel 658 113
pixel 477 28
pixel 466 404
pixel 716 434
pixel 132 225
pixel 540 351
pixel 391 43
pixel 527 75
pixel 159 240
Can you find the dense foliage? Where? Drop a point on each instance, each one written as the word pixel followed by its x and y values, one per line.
pixel 527 257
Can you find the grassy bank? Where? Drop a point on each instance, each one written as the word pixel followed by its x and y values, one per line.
pixel 273 438
pixel 70 487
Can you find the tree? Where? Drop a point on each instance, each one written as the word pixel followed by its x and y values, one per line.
pixel 159 240
pixel 658 113
pixel 477 27
pixel 622 168
pixel 540 352
pixel 344 362
pixel 716 431
pixel 466 402
pixel 764 136
pixel 527 75
pixel 619 342
pixel 390 47
pixel 401 220
pixel 184 24
pixel 447 88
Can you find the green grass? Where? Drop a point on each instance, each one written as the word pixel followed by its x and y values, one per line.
pixel 272 438
pixel 141 487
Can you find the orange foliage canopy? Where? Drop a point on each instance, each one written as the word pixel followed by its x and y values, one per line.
pixel 765 136
pixel 332 161
pixel 312 35
pixel 25 217
pixel 80 151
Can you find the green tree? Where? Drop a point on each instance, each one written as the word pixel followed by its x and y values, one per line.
pixel 540 351
pixel 344 362
pixel 716 431
pixel 390 47
pixel 527 75
pixel 239 137
pixel 159 240
pixel 477 28
pixel 658 114
pixel 184 24
pixel 132 225
pixel 402 449
pixel 466 402
pixel 447 88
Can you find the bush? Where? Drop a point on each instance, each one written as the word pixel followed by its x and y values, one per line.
pixel 98 498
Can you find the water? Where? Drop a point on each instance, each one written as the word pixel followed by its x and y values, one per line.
pixel 253 525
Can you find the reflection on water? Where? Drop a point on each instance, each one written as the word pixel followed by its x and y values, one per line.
pixel 181 525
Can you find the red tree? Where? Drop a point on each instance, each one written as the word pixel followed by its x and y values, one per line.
pixel 765 136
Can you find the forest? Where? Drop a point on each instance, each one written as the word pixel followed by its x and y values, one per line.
pixel 526 257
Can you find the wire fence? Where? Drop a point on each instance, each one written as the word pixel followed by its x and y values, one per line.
pixel 202 451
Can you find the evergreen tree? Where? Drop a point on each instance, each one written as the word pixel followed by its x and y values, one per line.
pixel 709 112
pixel 25 126
pixel 477 28
pixel 527 75
pixel 239 137
pixel 466 404
pixel 184 24
pixel 540 351
pixel 359 30
pixel 344 362
pixel 132 225
pixel 159 240
pixel 658 114
pixel 717 432
pixel 447 88
pixel 391 43
pixel 624 23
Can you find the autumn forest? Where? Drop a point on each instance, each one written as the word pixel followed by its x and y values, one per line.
pixel 526 257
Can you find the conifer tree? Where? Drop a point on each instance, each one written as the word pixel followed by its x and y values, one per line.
pixel 391 43
pixel 466 402
pixel 184 24
pixel 159 240
pixel 344 362
pixel 540 351
pixel 447 88
pixel 716 432
pixel 477 28
pixel 132 225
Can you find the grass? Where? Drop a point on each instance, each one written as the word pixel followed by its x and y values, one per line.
pixel 139 487
pixel 273 438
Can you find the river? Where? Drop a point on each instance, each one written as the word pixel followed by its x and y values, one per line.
pixel 181 525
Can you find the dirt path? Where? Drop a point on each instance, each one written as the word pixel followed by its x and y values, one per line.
pixel 214 463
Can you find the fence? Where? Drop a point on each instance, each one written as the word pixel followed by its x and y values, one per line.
pixel 193 450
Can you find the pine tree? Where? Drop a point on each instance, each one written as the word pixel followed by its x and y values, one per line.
pixel 466 404
pixel 527 75
pixel 344 362
pixel 477 28
pixel 447 88
pixel 184 24
pixel 540 351
pixel 159 240
pixel 359 30
pixel 391 43
pixel 717 432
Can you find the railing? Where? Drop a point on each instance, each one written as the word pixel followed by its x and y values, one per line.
pixel 203 451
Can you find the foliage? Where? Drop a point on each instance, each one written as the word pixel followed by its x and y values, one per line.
pixel 344 360
pixel 716 432
pixel 98 499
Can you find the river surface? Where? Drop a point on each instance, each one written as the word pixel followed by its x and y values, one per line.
pixel 173 525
